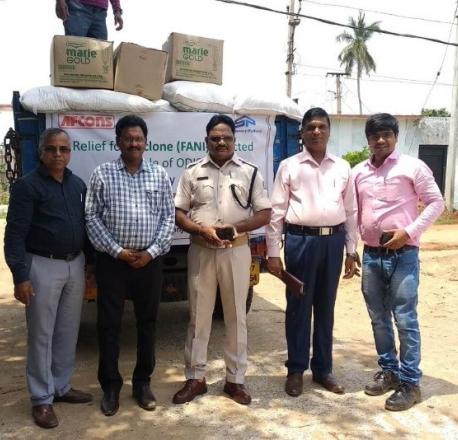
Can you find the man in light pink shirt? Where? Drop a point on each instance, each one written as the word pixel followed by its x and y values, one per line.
pixel 313 201
pixel 389 186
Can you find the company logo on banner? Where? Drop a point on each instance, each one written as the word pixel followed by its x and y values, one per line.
pixel 244 121
pixel 86 121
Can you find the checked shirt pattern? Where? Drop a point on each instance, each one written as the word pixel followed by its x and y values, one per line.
pixel 130 211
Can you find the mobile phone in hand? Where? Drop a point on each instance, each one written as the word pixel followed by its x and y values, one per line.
pixel 385 237
pixel 225 233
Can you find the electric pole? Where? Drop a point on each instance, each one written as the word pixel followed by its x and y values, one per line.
pixel 338 75
pixel 450 170
pixel 293 21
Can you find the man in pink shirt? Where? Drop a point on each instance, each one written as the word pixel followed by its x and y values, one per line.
pixel 389 186
pixel 87 18
pixel 313 201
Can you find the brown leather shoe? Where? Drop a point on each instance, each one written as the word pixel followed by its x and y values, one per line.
pixel 294 384
pixel 329 382
pixel 191 389
pixel 44 416
pixel 238 392
pixel 74 396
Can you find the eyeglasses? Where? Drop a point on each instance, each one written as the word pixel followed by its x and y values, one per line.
pixel 225 139
pixel 54 150
pixel 133 140
pixel 388 134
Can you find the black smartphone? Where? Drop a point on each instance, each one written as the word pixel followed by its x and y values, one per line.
pixel 385 237
pixel 225 233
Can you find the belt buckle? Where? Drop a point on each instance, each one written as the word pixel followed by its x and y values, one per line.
pixel 325 231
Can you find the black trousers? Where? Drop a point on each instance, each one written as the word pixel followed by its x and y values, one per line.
pixel 115 280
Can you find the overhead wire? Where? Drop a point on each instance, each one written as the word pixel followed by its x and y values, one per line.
pixel 334 23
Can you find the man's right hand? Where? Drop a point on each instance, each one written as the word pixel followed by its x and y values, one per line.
pixel 208 233
pixel 62 10
pixel 275 266
pixel 128 255
pixel 23 292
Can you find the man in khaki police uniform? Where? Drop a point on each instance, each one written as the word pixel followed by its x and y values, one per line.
pixel 219 193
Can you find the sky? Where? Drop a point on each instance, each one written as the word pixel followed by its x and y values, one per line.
pixel 255 47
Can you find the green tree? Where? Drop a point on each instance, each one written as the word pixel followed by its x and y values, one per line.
pixel 355 157
pixel 435 112
pixel 356 51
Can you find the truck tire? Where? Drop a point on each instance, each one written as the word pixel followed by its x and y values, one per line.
pixel 218 310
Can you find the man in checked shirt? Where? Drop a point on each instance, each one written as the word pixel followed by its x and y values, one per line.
pixel 130 221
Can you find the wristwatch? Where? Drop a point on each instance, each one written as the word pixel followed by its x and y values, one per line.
pixel 118 11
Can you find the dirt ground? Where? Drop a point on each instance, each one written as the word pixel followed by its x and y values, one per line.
pixel 316 414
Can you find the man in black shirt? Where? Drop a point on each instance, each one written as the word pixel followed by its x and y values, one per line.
pixel 44 239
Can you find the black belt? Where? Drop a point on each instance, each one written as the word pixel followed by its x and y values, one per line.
pixel 386 251
pixel 313 230
pixel 67 257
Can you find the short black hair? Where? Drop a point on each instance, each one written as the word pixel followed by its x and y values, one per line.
pixel 315 112
pixel 46 134
pixel 380 122
pixel 130 121
pixel 220 119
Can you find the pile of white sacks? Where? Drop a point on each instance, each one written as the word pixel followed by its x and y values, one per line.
pixel 185 96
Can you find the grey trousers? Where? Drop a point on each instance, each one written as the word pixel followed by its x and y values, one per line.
pixel 230 269
pixel 53 319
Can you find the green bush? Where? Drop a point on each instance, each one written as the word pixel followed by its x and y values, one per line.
pixel 355 157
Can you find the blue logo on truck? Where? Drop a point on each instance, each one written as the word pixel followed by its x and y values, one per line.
pixel 244 121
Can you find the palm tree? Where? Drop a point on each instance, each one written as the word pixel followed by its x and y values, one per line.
pixel 356 52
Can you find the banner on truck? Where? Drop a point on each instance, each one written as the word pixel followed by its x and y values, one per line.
pixel 174 141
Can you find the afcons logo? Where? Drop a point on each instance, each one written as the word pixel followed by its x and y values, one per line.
pixel 244 121
pixel 86 121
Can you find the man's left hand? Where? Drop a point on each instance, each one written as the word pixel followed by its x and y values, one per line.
pixel 143 258
pixel 351 267
pixel 118 21
pixel 398 240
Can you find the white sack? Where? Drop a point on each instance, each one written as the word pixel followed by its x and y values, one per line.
pixel 265 104
pixel 49 99
pixel 189 96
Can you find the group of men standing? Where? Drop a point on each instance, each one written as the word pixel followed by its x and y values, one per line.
pixel 128 217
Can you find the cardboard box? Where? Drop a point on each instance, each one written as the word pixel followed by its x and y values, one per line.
pixel 139 70
pixel 194 58
pixel 81 62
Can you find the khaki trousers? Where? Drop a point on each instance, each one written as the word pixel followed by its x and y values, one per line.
pixel 230 269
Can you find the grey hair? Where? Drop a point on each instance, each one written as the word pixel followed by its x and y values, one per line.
pixel 46 134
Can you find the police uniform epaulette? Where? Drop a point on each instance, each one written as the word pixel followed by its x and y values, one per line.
pixel 248 163
pixel 194 163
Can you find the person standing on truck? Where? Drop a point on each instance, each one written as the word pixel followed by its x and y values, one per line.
pixel 219 199
pixel 44 239
pixel 389 186
pixel 130 222
pixel 87 18
pixel 313 201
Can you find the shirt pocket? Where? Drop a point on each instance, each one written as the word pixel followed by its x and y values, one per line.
pixel 205 191
pixel 390 191
pixel 153 199
pixel 239 192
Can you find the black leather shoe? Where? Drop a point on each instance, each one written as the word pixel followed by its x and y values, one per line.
pixel 294 384
pixel 144 397
pixel 406 396
pixel 384 381
pixel 329 382
pixel 74 396
pixel 110 403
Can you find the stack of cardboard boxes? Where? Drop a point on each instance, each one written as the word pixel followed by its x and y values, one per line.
pixel 90 63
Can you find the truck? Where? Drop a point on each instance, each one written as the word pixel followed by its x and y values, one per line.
pixel 172 145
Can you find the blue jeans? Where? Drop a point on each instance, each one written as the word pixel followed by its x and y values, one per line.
pixel 390 289
pixel 86 21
